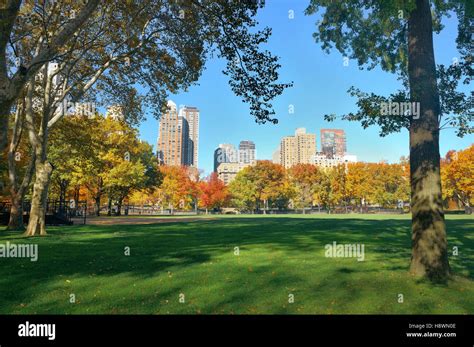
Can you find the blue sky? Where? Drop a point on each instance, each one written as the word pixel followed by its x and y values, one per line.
pixel 320 87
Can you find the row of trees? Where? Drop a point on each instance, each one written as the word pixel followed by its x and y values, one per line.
pixel 105 161
pixel 101 160
pixel 457 177
pixel 92 157
pixel 268 185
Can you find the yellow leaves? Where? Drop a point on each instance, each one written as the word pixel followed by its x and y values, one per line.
pixel 457 175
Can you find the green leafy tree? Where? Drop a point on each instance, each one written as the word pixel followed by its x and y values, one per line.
pixel 72 149
pixel 268 179
pixel 398 37
pixel 130 163
pixel 243 192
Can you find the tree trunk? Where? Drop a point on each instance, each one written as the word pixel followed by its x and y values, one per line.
pixel 5 108
pixel 63 184
pixel 37 222
pixel 429 244
pixel 97 205
pixel 109 210
pixel 18 189
pixel 119 207
pixel 16 213
pixel 9 13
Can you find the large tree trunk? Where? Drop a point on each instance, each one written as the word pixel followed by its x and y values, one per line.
pixel 429 244
pixel 5 108
pixel 8 13
pixel 17 194
pixel 18 189
pixel 37 222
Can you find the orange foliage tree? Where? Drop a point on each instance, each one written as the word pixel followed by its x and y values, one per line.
pixel 212 193
pixel 457 176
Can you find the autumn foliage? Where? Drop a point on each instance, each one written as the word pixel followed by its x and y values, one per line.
pixel 213 193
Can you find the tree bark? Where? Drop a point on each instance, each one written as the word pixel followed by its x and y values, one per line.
pixel 43 169
pixel 8 13
pixel 37 222
pixel 429 244
pixel 18 197
pixel 16 213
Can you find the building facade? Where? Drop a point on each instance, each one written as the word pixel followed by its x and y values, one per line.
pixel 298 149
pixel 333 142
pixel 225 153
pixel 323 161
pixel 178 138
pixel 229 161
pixel 191 114
pixel 247 152
pixel 172 146
pixel 288 153
pixel 226 172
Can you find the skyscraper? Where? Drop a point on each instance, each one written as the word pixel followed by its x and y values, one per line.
pixel 225 153
pixel 333 142
pixel 247 152
pixel 298 149
pixel 172 146
pixel 306 146
pixel 228 162
pixel 288 153
pixel 191 114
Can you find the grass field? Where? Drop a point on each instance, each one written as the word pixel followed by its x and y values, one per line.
pixel 278 257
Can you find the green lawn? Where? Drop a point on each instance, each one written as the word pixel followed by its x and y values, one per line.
pixel 279 256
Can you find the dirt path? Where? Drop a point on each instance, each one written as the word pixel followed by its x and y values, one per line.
pixel 137 220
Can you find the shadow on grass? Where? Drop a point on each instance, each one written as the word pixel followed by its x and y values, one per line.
pixel 170 247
